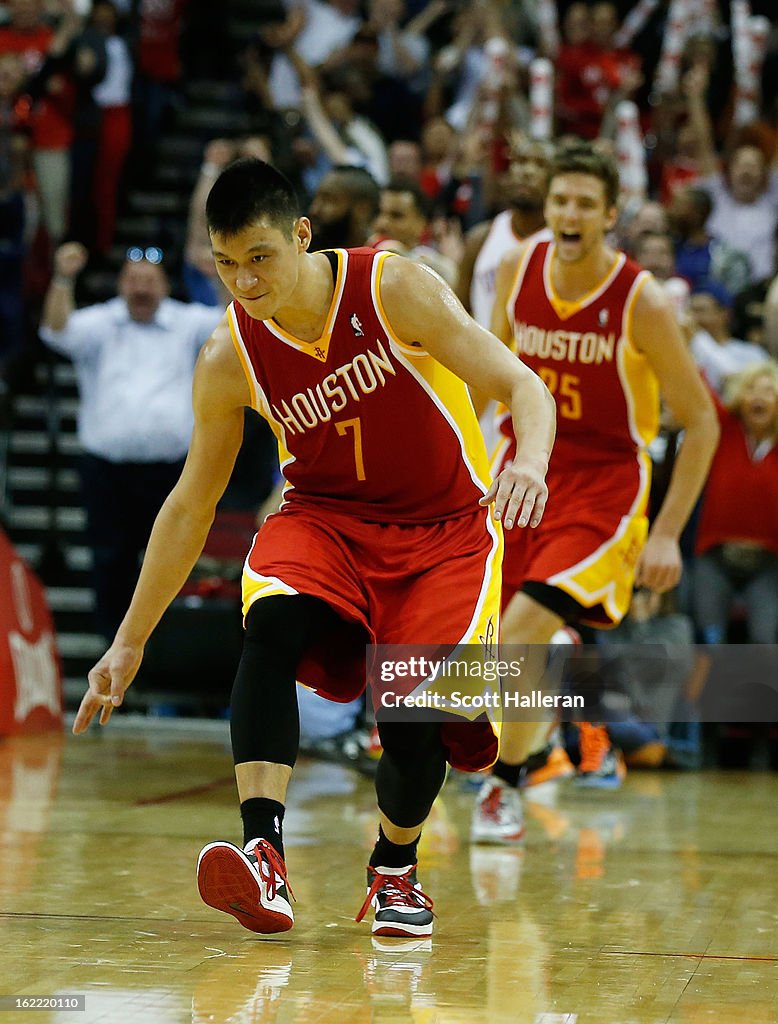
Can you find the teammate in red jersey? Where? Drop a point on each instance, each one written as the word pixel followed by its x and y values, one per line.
pixel 603 337
pixel 386 533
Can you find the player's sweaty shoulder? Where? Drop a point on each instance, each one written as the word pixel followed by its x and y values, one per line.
pixel 219 376
pixel 410 289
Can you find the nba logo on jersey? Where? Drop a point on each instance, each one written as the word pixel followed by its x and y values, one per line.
pixel 602 317
pixel 355 323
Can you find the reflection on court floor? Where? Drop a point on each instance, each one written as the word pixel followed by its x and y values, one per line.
pixel 653 904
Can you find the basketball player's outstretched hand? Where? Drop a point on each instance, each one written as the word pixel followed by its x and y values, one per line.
pixel 108 681
pixel 519 493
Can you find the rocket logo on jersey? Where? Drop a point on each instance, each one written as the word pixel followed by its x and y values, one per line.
pixel 367 371
pixel 602 317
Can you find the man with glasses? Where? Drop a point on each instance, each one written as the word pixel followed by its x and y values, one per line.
pixel 134 358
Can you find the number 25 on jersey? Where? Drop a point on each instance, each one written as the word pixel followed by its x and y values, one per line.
pixel 565 389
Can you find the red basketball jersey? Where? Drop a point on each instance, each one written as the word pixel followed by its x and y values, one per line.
pixel 366 424
pixel 606 392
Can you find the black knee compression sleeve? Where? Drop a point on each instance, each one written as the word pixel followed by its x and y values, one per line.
pixel 264 721
pixel 411 771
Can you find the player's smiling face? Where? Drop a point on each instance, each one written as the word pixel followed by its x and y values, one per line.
pixel 259 265
pixel 578 214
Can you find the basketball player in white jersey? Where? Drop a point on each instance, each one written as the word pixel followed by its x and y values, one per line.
pixel 488 242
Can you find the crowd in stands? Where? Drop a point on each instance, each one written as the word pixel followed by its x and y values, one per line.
pixel 399 121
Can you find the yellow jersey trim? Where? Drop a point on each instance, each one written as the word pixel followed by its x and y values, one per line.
pixel 565 308
pixel 320 347
pixel 240 348
pixel 414 351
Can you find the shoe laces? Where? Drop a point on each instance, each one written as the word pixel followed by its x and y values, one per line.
pixel 595 745
pixel 396 891
pixel 267 854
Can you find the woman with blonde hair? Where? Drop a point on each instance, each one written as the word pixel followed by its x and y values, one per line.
pixel 737 539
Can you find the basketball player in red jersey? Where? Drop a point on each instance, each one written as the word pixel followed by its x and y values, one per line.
pixel 386 533
pixel 602 335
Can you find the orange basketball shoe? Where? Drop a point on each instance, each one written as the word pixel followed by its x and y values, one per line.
pixel 601 766
pixel 550 765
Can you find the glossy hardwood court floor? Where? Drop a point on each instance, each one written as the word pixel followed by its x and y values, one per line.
pixel 655 904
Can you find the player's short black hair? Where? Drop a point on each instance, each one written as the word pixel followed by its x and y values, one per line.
pixel 579 157
pixel 248 191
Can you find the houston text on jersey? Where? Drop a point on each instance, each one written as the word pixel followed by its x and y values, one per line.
pixel 347 383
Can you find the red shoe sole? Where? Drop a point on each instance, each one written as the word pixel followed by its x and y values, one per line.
pixel 226 883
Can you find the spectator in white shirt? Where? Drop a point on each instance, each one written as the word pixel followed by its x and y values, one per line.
pixel 745 207
pixel 715 351
pixel 134 358
pixel 745 195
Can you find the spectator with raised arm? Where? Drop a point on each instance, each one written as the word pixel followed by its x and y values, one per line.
pixel 344 137
pixel 744 194
pixel 134 358
pixel 314 29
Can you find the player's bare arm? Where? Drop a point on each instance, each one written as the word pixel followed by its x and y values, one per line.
pixel 500 325
pixel 219 393
pixel 657 334
pixel 422 308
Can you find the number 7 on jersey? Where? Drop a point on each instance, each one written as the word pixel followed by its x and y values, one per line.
pixel 343 426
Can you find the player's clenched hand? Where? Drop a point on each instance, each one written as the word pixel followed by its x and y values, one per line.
pixel 519 493
pixel 659 565
pixel 108 681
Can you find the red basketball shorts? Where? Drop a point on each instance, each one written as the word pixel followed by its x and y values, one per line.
pixel 390 584
pixel 588 543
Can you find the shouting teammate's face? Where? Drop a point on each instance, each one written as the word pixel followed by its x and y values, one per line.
pixel 578 214
pixel 259 266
